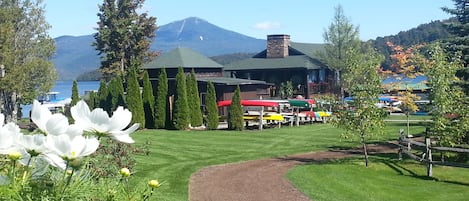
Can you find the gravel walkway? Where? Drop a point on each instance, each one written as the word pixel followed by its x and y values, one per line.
pixel 261 180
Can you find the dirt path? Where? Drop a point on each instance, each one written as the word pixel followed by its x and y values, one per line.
pixel 261 180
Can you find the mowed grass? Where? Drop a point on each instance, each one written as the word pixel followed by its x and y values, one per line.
pixel 385 179
pixel 175 155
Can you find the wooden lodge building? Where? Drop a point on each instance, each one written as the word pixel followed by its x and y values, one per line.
pixel 206 70
pixel 283 61
pixel 259 77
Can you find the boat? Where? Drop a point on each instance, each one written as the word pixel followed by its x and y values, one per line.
pixel 255 115
pixel 53 102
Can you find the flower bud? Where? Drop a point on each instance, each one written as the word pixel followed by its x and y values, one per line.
pixel 14 156
pixel 154 183
pixel 124 172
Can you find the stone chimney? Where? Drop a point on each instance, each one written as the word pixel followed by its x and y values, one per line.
pixel 277 45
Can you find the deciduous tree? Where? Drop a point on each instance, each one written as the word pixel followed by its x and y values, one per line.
pixel 449 105
pixel 340 37
pixel 364 85
pixel 25 52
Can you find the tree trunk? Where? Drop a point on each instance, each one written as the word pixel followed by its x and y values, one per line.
pixel 10 107
pixel 365 151
pixel 408 125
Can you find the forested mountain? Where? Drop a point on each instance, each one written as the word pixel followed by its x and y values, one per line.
pixel 425 33
pixel 75 54
pixel 228 58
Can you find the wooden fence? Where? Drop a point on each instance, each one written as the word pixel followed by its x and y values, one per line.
pixel 406 145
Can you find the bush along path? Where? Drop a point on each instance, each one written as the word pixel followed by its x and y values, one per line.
pixel 262 180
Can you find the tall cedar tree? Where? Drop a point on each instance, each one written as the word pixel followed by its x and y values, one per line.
pixel 340 36
pixel 211 107
pixel 25 52
pixel 92 100
pixel 181 109
pixel 235 113
pixel 124 36
pixel 161 105
pixel 75 96
pixel 196 118
pixel 134 99
pixel 104 97
pixel 148 102
pixel 459 44
pixel 364 81
pixel 116 91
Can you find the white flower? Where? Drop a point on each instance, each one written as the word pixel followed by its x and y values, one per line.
pixel 52 124
pixel 65 148
pixel 98 121
pixel 9 134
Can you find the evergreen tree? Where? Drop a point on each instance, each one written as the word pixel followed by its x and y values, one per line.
pixel 340 37
pixel 134 99
pixel 25 52
pixel 235 113
pixel 92 100
pixel 459 44
pixel 116 91
pixel 161 105
pixel 211 107
pixel 75 96
pixel 181 109
pixel 194 100
pixel 104 97
pixel 124 36
pixel 148 102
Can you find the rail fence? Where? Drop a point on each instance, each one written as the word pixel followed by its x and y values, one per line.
pixel 411 148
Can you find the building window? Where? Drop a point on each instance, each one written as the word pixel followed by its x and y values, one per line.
pixel 313 76
pixel 322 75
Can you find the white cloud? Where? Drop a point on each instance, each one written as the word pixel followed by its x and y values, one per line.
pixel 267 25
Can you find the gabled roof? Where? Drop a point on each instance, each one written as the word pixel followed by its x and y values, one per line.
pixel 297 61
pixel 300 55
pixel 230 81
pixel 182 57
pixel 309 49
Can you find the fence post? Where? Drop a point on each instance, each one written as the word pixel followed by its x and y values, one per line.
pixel 429 156
pixel 401 138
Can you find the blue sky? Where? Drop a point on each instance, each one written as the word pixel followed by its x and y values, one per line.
pixel 303 20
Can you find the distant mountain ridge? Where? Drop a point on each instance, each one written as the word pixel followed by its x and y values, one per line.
pixel 75 55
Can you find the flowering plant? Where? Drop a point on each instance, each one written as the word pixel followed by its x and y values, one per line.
pixel 49 162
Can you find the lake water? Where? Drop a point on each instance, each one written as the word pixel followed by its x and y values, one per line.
pixel 65 91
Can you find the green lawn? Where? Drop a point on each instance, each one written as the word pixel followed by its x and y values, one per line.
pixel 175 155
pixel 385 179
